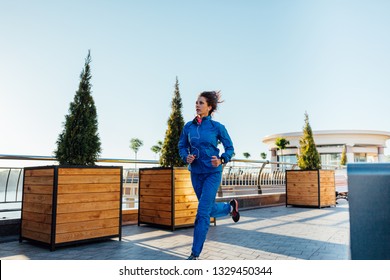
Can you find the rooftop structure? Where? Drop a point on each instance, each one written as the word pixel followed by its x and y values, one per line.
pixel 361 145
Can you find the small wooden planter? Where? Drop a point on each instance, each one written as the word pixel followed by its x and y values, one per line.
pixel 64 205
pixel 312 188
pixel 166 198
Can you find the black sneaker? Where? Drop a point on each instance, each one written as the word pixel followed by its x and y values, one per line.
pixel 193 257
pixel 235 214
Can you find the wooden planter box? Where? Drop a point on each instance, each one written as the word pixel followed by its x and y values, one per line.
pixel 166 198
pixel 313 188
pixel 64 205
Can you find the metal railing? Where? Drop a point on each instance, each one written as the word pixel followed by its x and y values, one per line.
pixel 240 177
pixel 248 177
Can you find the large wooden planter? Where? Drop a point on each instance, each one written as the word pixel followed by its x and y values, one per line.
pixel 64 205
pixel 312 188
pixel 166 198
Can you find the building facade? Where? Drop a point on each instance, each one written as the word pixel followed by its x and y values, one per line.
pixel 360 145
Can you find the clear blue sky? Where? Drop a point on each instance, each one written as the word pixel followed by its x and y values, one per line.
pixel 272 61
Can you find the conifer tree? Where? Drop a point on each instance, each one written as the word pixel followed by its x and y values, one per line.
pixel 170 156
pixel 79 143
pixel 343 160
pixel 308 158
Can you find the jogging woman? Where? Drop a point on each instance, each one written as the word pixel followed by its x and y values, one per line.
pixel 198 147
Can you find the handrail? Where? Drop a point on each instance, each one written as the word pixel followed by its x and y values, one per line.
pixel 52 158
pixel 239 177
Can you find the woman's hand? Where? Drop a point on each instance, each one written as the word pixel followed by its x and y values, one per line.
pixel 215 161
pixel 190 158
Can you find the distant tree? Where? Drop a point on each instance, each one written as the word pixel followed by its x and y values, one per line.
pixel 157 148
pixel 281 143
pixel 246 155
pixel 343 160
pixel 308 158
pixel 79 143
pixel 263 155
pixel 170 156
pixel 135 144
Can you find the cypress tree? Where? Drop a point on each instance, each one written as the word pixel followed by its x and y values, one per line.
pixel 343 160
pixel 308 158
pixel 170 156
pixel 79 142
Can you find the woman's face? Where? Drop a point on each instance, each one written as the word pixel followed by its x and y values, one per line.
pixel 202 108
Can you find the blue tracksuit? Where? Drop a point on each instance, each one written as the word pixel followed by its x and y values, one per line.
pixel 201 140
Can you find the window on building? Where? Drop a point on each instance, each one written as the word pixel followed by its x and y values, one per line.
pixel 288 158
pixel 360 157
pixel 330 159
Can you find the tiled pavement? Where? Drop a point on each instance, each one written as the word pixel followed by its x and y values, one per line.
pixel 272 233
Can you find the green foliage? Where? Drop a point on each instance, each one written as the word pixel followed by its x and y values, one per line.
pixel 157 148
pixel 308 158
pixel 263 155
pixel 170 156
pixel 281 143
pixel 246 155
pixel 79 142
pixel 135 144
pixel 343 160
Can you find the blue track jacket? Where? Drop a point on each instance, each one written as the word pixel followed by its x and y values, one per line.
pixel 201 140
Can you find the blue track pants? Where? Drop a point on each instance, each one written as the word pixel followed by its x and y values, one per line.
pixel 206 187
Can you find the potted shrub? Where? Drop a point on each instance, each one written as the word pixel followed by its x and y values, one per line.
pixel 310 186
pixel 166 195
pixel 76 200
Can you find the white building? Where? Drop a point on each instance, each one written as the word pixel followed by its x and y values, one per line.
pixel 361 145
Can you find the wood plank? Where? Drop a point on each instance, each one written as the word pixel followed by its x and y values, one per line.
pixel 37 208
pixel 84 235
pixel 155 192
pixel 87 225
pixel 36 227
pixel 89 197
pixel 87 216
pixel 38 198
pixel 155 172
pixel 38 236
pixel 154 206
pixel 185 213
pixel 87 206
pixel 42 181
pixel 154 220
pixel 186 206
pixel 183 185
pixel 88 188
pixel 182 173
pixel 302 176
pixel 155 213
pixel 293 189
pixel 185 191
pixel 302 200
pixel 37 217
pixel 129 216
pixel 155 185
pixel 157 178
pixel 80 179
pixel 38 189
pixel 156 199
pixel 186 198
pixel 46 172
pixel 89 171
pixel 184 221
